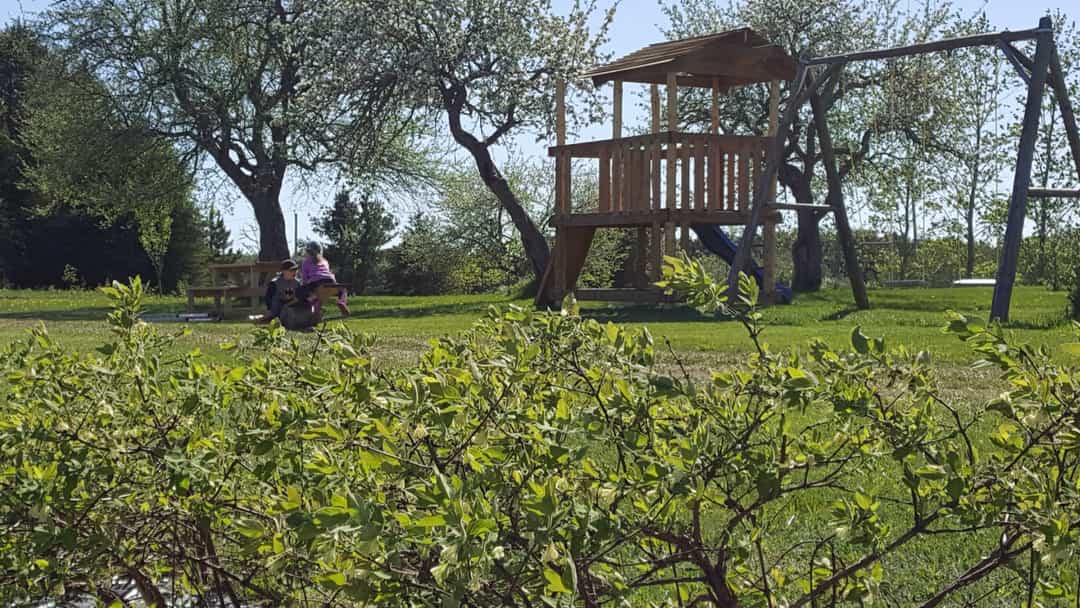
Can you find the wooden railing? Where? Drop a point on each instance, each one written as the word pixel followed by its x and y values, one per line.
pixel 666 171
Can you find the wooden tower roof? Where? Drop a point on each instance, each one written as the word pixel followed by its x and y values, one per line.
pixel 735 58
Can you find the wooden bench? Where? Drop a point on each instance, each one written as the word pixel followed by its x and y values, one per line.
pixel 221 295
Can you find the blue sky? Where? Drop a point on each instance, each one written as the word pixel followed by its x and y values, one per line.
pixel 637 23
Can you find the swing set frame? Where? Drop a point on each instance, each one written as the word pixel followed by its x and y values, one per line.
pixel 1039 72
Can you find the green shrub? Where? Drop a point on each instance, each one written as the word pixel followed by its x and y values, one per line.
pixel 538 459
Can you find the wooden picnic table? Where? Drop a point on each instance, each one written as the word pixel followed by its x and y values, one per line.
pixel 244 281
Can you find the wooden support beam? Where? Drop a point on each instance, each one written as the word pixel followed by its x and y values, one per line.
pixel 714 126
pixel 1014 230
pixel 673 126
pixel 1052 193
pixel 560 113
pixel 1015 58
pixel 768 289
pixel 654 104
pixel 799 92
pixel 1061 92
pixel 930 47
pixel 843 227
pixel 616 111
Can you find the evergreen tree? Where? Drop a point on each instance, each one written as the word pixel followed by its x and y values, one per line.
pixel 356 233
pixel 218 237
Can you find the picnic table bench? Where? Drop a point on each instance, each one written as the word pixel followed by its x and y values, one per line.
pixel 246 282
pixel 243 281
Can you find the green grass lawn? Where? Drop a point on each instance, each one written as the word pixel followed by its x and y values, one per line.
pixel 405 324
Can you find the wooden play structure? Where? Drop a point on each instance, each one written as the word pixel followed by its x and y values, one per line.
pixel 666 183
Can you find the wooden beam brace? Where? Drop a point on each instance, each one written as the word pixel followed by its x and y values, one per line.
pixel 799 92
pixel 843 227
pixel 1052 193
pixel 930 47
pixel 1061 91
pixel 1014 56
pixel 1014 230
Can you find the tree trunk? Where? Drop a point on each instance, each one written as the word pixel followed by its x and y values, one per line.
pixel 273 238
pixel 536 246
pixel 806 253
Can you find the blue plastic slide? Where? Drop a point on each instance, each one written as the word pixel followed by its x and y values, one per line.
pixel 716 240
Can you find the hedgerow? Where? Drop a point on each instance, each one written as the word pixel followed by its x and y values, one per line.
pixel 537 459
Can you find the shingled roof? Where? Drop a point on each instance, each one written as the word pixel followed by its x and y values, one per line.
pixel 735 58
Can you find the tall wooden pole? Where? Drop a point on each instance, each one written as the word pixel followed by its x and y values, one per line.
pixel 714 114
pixel 843 227
pixel 616 118
pixel 769 229
pixel 560 113
pixel 1014 231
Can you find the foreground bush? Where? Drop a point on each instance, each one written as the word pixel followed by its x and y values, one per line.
pixel 536 460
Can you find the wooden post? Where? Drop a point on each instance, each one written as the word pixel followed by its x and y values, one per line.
pixel 769 229
pixel 649 240
pixel 654 104
pixel 772 165
pixel 672 152
pixel 843 228
pixel 1014 231
pixel 1061 91
pixel 714 127
pixel 616 119
pixel 560 113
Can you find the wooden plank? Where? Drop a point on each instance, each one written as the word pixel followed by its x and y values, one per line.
pixel 656 254
pixel 617 180
pixel 1014 230
pixel 567 187
pixel 1052 193
pixel 560 203
pixel 604 194
pixel 774 120
pixel 669 244
pixel 578 242
pixel 649 218
pixel 654 105
pixel 560 112
pixel 592 149
pixel 684 181
pixel 617 109
pixel 768 262
pixel 673 126
pixel 730 201
pixel 746 155
pixel 929 47
pixel 630 178
pixel 699 174
pixel 558 288
pixel 655 157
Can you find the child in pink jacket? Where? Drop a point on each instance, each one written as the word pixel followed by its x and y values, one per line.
pixel 315 271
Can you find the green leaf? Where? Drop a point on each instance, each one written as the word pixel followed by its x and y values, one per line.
pixel 859 341
pixel 432 521
pixel 555 582
pixel 930 471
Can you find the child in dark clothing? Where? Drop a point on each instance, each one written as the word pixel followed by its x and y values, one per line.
pixel 281 291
